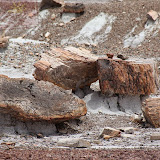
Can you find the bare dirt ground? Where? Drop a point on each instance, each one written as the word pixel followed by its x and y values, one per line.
pixel 19 57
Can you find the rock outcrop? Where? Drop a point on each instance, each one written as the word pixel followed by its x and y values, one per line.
pixel 73 8
pixel 69 68
pixel 28 99
pixel 151 111
pixel 127 77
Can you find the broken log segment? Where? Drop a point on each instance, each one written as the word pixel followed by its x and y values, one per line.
pixel 69 68
pixel 151 111
pixel 127 77
pixel 27 99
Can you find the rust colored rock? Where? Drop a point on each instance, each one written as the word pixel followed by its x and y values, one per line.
pixel 71 68
pixel 151 111
pixel 127 77
pixel 110 55
pixel 153 15
pixel 74 8
pixel 51 4
pixel 27 99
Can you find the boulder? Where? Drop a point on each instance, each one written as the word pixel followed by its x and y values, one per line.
pixel 151 111
pixel 69 68
pixel 28 99
pixel 50 4
pixel 73 8
pixel 131 77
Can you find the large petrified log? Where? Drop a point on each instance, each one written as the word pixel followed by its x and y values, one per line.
pixel 71 68
pixel 151 110
pixel 28 99
pixel 127 77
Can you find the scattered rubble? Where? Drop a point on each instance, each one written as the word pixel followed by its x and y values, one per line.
pixel 69 68
pixel 151 110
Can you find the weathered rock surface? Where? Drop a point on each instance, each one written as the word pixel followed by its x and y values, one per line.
pixel 73 8
pixel 127 77
pixel 51 3
pixel 74 142
pixel 28 99
pixel 155 136
pixel 71 68
pixel 151 111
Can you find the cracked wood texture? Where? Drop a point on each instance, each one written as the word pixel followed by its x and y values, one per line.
pixel 151 111
pixel 28 99
pixel 126 77
pixel 69 68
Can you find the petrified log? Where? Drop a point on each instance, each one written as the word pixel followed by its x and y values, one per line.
pixel 51 4
pixel 151 110
pixel 28 99
pixel 73 8
pixel 127 77
pixel 71 68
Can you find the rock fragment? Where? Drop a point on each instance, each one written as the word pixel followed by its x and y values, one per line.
pixel 127 77
pixel 151 111
pixel 4 42
pixel 110 133
pixel 155 136
pixel 50 4
pixel 153 15
pixel 74 142
pixel 73 8
pixel 71 68
pixel 30 100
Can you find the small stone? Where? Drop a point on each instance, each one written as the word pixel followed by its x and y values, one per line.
pixel 40 135
pixel 121 57
pixel 74 142
pixel 37 54
pixel 61 24
pixel 110 55
pixel 47 35
pixel 53 16
pixel 155 136
pixel 152 15
pixel 74 8
pixel 110 132
pixel 128 130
